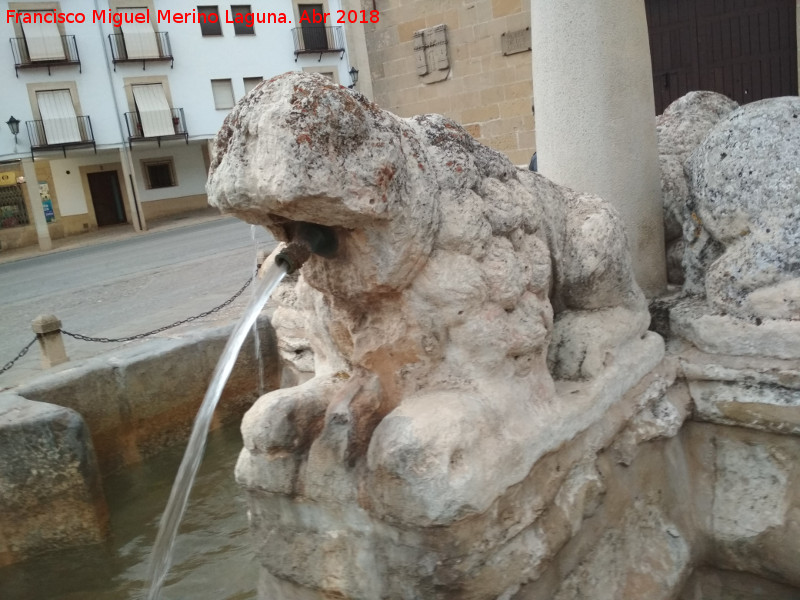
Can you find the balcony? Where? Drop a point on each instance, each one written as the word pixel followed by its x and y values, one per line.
pixel 154 130
pixel 22 57
pixel 61 134
pixel 318 39
pixel 157 49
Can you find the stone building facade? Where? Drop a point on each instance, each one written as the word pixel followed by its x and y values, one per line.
pixel 487 83
pixel 482 88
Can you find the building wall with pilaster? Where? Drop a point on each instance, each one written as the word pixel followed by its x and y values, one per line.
pixel 101 90
pixel 485 91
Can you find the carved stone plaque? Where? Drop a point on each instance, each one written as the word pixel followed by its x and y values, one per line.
pixel 513 42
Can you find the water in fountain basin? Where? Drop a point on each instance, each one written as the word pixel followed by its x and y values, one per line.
pixel 168 529
pixel 213 559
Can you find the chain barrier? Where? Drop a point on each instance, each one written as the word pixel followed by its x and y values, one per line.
pixel 86 338
pixel 21 353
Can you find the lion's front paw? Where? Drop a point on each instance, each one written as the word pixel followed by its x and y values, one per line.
pixel 583 341
pixel 446 454
pixel 278 431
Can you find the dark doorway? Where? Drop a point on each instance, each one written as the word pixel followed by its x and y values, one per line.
pixel 314 32
pixel 106 198
pixel 745 49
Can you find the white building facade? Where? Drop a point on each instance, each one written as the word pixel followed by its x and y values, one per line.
pixel 116 100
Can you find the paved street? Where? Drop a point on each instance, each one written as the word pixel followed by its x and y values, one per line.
pixel 125 287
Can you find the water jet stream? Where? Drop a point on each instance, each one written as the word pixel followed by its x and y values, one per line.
pixel 256 337
pixel 176 506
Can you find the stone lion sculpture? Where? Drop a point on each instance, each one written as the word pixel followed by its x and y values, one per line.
pixel 731 183
pixel 461 287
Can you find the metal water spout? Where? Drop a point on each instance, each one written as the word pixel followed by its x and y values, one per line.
pixel 307 239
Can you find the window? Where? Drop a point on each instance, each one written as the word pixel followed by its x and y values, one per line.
pixel 140 38
pixel 43 40
pixel 159 173
pixel 327 71
pixel 313 27
pixel 12 207
pixel 209 20
pixel 242 19
pixel 223 93
pixel 153 111
pixel 58 117
pixel 251 82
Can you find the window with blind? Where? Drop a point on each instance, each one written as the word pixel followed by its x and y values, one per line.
pixel 153 110
pixel 251 82
pixel 43 40
pixel 223 94
pixel 59 120
pixel 140 38
pixel 241 12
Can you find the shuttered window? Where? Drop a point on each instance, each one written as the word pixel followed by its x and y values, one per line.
pixel 140 39
pixel 58 116
pixel 155 114
pixel 240 13
pixel 251 82
pixel 43 40
pixel 209 20
pixel 223 93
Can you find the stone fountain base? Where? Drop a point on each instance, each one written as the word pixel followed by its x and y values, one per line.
pixel 487 415
pixel 668 476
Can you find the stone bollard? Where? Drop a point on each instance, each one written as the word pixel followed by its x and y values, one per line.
pixel 48 331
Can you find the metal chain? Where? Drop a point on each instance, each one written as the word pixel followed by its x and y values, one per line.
pixel 139 336
pixel 22 353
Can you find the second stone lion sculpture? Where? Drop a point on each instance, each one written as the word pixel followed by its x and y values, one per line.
pixel 462 286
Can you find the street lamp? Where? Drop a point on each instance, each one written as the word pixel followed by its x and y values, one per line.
pixel 13 125
pixel 353 77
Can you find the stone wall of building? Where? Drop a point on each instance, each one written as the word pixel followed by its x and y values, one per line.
pixel 489 93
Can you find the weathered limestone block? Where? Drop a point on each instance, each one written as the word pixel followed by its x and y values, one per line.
pixel 745 391
pixel 744 185
pixel 714 584
pixel 639 539
pixel 753 478
pixel 645 557
pixel 51 495
pixel 662 417
pixel 680 129
pixel 141 399
pixel 743 376
pixel 692 320
pixel 462 288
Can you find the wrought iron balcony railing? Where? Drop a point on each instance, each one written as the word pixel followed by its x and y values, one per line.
pixel 120 53
pixel 136 131
pixel 22 56
pixel 318 39
pixel 60 135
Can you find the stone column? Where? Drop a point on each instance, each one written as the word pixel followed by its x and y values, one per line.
pixel 595 116
pixel 132 190
pixel 48 331
pixel 358 56
pixel 39 220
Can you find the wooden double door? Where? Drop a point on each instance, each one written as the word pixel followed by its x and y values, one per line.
pixel 745 49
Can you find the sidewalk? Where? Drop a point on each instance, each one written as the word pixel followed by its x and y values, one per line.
pixel 113 233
